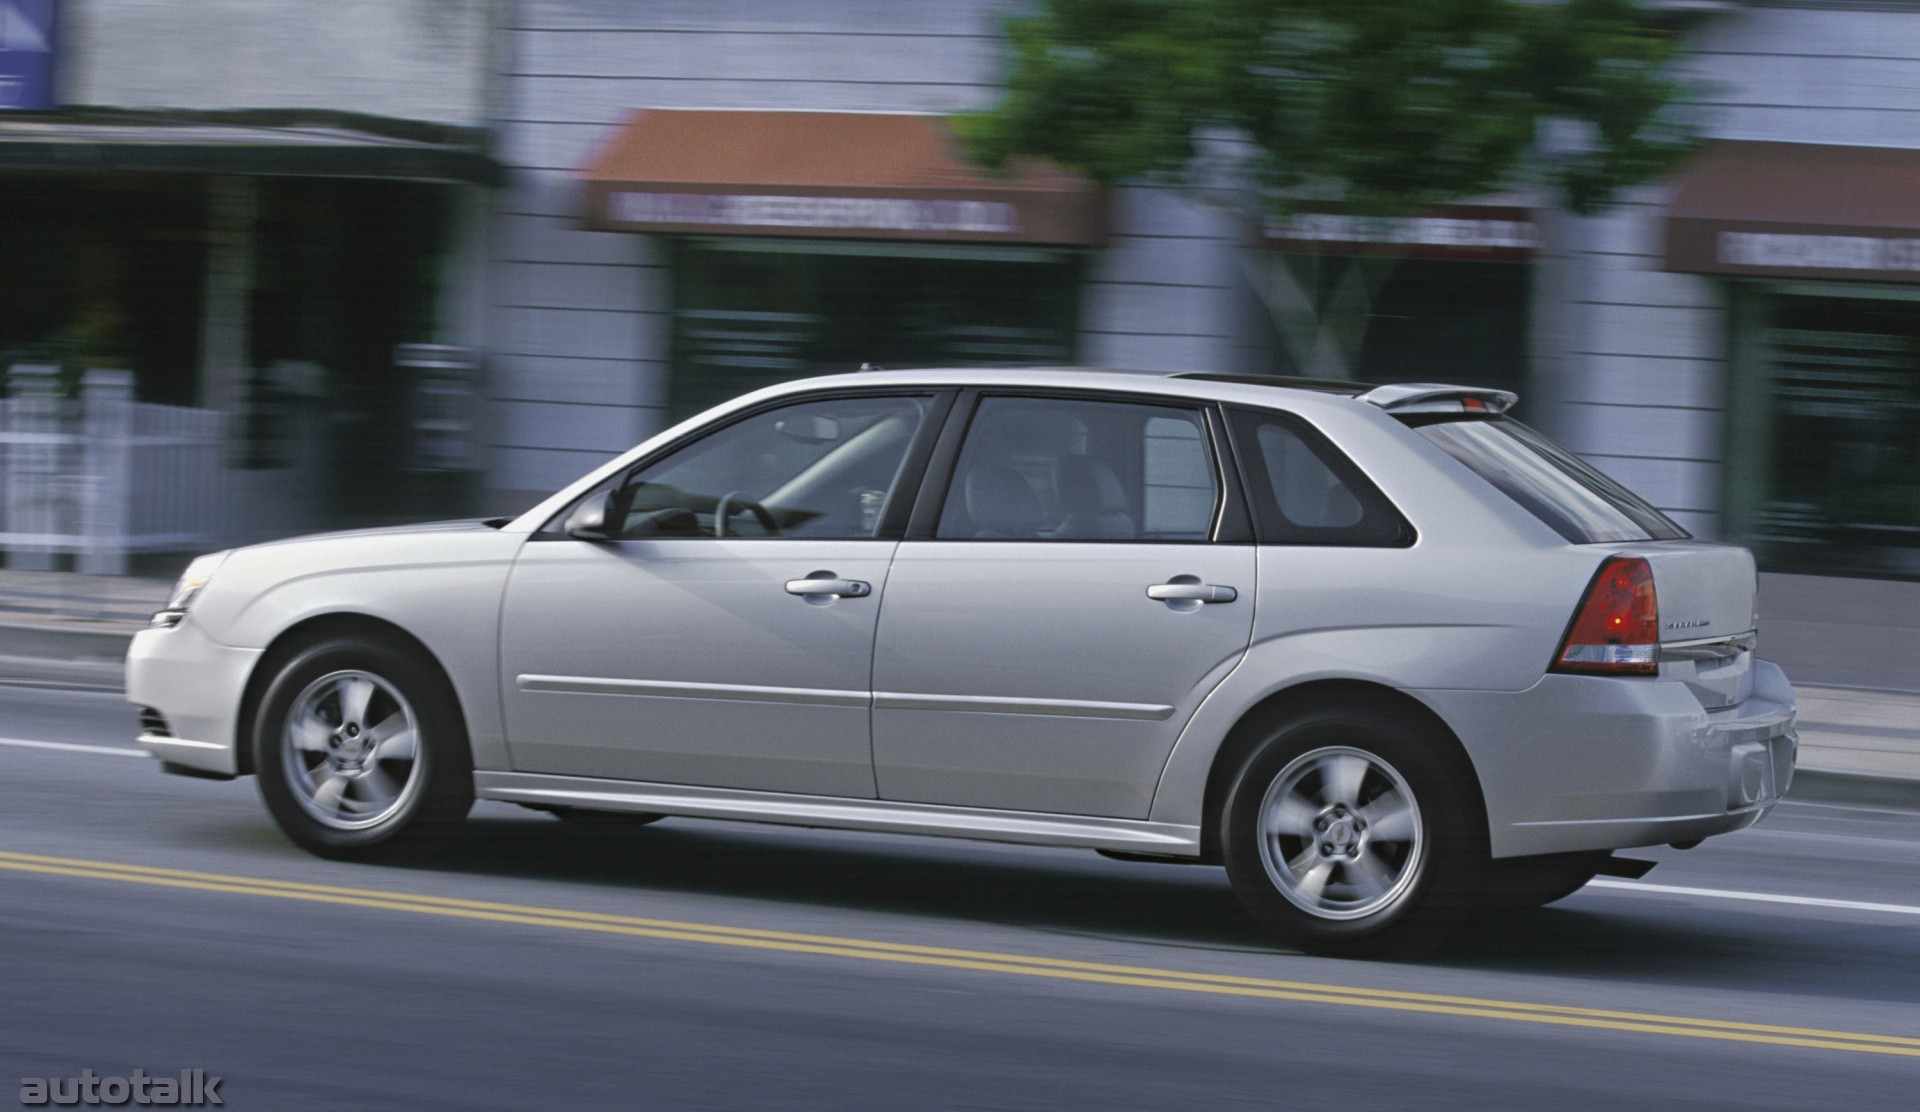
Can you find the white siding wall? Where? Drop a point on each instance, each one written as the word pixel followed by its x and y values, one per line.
pixel 411 59
pixel 1632 360
pixel 579 339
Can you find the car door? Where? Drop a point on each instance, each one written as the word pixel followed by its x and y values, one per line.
pixel 1059 612
pixel 722 633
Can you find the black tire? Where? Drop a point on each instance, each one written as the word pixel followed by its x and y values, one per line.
pixel 1397 849
pixel 308 735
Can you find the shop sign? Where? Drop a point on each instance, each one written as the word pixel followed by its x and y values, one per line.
pixel 26 55
pixel 908 215
pixel 1771 250
pixel 1462 232
pixel 1785 251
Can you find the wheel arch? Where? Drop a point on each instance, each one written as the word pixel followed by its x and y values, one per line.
pixel 311 631
pixel 1260 719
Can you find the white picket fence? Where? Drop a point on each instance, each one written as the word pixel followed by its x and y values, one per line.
pixel 103 476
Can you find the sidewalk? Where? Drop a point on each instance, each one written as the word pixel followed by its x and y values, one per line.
pixel 60 629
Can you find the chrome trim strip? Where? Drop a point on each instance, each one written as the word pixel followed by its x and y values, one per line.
pixel 1709 648
pixel 1024 827
pixel 996 704
pixel 662 689
pixel 177 742
pixel 208 755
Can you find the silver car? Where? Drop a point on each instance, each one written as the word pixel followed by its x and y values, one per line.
pixel 1386 654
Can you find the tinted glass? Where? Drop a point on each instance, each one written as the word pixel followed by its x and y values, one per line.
pixel 1577 501
pixel 1304 491
pixel 1058 469
pixel 819 469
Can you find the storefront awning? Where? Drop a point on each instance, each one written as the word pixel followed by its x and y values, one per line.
pixel 1798 210
pixel 851 175
pixel 1461 233
pixel 238 143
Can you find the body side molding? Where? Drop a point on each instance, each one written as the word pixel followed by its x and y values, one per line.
pixel 1025 827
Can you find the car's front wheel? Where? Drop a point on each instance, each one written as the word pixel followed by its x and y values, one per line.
pixel 1354 833
pixel 361 751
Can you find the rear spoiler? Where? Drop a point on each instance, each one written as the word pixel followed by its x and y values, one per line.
pixel 1432 397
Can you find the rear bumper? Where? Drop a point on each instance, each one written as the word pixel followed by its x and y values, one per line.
pixel 195 684
pixel 1591 763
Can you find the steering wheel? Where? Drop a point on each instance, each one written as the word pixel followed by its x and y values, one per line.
pixel 733 502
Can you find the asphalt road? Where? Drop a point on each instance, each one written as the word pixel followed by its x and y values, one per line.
pixel 156 923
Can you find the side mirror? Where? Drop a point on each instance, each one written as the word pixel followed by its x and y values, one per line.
pixel 588 521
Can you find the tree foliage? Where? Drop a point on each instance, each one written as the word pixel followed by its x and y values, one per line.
pixel 1380 106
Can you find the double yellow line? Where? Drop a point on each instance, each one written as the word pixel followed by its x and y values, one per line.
pixel 987 961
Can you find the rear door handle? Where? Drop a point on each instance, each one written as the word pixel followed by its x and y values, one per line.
pixel 1191 592
pixel 821 584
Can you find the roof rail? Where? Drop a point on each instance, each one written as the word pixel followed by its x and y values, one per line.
pixel 1434 397
pixel 1325 385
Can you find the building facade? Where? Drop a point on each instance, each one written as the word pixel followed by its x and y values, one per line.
pixel 1765 393
pixel 599 337
pixel 249 206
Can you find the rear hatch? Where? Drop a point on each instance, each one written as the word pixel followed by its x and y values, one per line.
pixel 1704 591
pixel 1706 597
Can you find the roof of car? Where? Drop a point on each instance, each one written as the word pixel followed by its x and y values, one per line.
pixel 1250 388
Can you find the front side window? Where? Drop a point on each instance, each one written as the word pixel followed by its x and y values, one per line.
pixel 823 469
pixel 1074 470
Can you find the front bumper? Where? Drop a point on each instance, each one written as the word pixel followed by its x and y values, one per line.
pixel 1581 763
pixel 195 684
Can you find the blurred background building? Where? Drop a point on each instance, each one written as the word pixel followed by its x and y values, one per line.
pixel 609 215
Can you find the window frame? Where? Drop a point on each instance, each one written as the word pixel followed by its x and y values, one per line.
pixel 1230 524
pixel 894 516
pixel 1271 527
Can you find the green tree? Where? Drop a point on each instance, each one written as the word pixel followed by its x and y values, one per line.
pixel 1375 108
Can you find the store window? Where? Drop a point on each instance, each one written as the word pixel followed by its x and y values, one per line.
pixel 1428 320
pixel 748 314
pixel 1824 429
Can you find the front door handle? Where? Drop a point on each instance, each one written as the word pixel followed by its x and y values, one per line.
pixel 824 584
pixel 1187 588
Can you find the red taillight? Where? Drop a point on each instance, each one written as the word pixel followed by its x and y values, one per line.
pixel 1616 631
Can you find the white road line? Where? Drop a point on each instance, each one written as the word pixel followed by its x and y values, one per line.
pixel 74 747
pixel 1750 897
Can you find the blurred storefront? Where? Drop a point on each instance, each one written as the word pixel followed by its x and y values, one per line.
pixel 250 245
pixel 705 199
pixel 708 198
pixel 1819 247
pixel 812 242
pixel 1742 342
pixel 1447 302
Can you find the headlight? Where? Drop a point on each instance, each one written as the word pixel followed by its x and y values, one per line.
pixel 191 583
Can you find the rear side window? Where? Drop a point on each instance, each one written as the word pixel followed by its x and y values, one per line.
pixel 1553 484
pixel 1304 491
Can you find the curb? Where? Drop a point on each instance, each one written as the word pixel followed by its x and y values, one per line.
pixel 65 641
pixel 1814 785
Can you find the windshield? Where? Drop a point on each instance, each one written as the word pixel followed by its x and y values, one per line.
pixel 1553 484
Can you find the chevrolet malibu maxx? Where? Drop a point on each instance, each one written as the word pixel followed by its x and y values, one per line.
pixel 1387 654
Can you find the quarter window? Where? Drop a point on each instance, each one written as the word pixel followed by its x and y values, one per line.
pixel 1075 470
pixel 1304 491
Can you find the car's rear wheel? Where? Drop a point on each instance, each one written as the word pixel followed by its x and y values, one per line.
pixel 361 751
pixel 1354 833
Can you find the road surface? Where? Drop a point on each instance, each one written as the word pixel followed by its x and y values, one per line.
pixel 157 923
